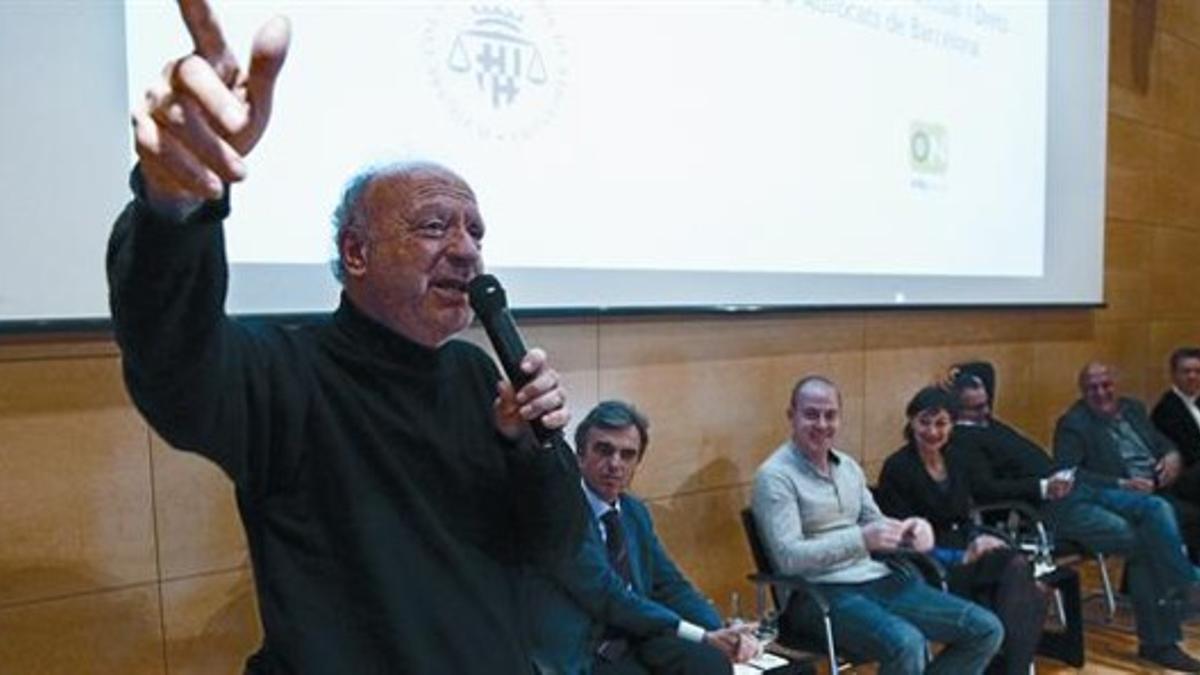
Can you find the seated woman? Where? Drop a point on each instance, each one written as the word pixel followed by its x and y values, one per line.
pixel 920 479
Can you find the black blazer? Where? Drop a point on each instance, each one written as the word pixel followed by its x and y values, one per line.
pixel 1001 463
pixel 905 489
pixel 1172 418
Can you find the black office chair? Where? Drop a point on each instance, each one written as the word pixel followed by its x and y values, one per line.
pixel 766 579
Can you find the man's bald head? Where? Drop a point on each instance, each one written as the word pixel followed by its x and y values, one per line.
pixel 1098 386
pixel 814 383
pixel 815 413
pixel 373 194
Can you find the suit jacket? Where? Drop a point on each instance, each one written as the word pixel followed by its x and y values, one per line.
pixel 1082 439
pixel 1001 463
pixel 1174 420
pixel 571 605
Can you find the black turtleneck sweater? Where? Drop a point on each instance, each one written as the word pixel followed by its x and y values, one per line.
pixel 388 522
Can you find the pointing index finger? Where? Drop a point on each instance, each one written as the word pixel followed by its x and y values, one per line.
pixel 205 31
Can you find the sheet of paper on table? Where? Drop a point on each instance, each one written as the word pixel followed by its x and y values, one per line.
pixel 759 664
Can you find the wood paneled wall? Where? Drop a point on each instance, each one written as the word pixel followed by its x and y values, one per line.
pixel 119 555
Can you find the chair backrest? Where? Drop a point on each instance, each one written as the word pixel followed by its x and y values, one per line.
pixel 762 561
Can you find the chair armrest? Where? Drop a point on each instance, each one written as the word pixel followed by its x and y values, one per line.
pixel 795 583
pixel 1028 519
pixel 1026 511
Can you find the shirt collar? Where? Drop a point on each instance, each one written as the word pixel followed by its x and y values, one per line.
pixel 1185 397
pixel 599 506
pixel 834 460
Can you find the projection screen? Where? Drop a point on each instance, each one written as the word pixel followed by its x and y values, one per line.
pixel 661 155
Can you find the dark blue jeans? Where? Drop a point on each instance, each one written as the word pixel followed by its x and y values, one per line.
pixel 1143 529
pixel 889 620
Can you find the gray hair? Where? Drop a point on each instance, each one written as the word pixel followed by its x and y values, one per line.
pixel 349 215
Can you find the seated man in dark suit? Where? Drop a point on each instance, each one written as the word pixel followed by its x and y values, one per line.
pixel 1004 464
pixel 1177 416
pixel 621 605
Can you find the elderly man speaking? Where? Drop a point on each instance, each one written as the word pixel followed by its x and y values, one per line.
pixel 389 485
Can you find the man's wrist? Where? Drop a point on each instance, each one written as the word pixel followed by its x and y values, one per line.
pixel 176 211
pixel 173 210
pixel 689 631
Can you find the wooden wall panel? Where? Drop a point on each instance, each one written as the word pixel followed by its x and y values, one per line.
pixel 211 623
pixel 1175 81
pixel 716 391
pixel 1165 337
pixel 1128 247
pixel 1180 18
pixel 197 521
pixel 75 498
pixel 705 530
pixel 107 633
pixel 1132 148
pixel 1177 163
pixel 1125 99
pixel 1173 274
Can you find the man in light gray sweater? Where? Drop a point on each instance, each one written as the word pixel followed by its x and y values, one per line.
pixel 818 520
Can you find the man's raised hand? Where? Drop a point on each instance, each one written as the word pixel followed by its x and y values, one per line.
pixel 198 123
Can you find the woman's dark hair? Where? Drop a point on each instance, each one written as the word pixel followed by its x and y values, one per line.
pixel 928 398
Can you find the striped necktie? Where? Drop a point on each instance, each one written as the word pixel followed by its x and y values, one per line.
pixel 618 553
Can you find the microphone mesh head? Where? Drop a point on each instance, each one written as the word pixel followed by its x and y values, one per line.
pixel 486 294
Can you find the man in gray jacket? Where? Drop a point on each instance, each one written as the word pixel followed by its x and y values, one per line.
pixel 1119 455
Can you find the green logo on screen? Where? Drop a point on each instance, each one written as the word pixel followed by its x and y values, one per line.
pixel 928 149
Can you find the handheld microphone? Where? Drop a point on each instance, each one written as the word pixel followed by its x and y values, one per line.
pixel 491 306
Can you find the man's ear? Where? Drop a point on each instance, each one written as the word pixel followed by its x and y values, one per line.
pixel 353 251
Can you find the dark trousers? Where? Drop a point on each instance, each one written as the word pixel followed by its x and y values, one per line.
pixel 1003 582
pixel 666 655
pixel 1187 513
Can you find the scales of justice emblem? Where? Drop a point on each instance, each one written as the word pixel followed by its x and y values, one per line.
pixel 500 71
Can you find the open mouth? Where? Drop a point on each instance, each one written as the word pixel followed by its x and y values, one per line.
pixel 450 284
